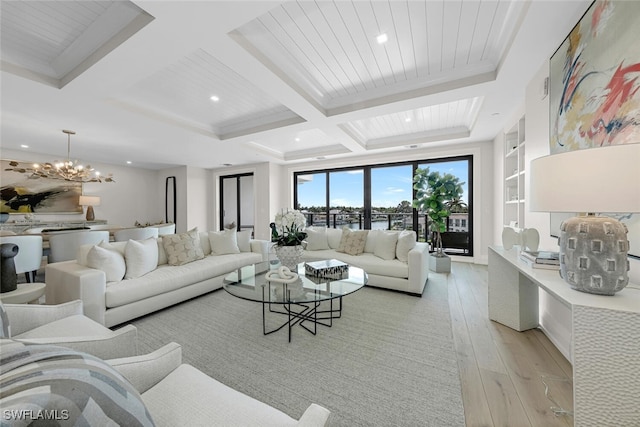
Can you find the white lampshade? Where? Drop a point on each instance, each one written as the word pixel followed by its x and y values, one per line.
pixel 604 179
pixel 89 201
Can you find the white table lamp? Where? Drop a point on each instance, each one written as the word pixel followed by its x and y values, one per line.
pixel 593 249
pixel 89 202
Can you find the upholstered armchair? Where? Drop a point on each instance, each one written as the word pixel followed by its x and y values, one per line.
pixel 178 394
pixel 65 325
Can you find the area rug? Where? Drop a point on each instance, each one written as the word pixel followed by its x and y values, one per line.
pixel 389 361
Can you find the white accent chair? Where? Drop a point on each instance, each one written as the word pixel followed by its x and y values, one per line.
pixel 135 234
pixel 29 256
pixel 166 229
pixel 179 394
pixel 64 246
pixel 65 325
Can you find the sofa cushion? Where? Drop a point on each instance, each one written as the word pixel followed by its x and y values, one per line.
pixel 167 278
pixel 183 248
pixel 316 238
pixel 406 242
pixel 386 245
pixel 352 241
pixel 77 325
pixel 5 327
pixel 198 399
pixel 141 257
pixel 334 235
pixel 368 262
pixel 224 242
pixel 107 260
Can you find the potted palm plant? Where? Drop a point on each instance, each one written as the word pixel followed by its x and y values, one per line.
pixel 436 194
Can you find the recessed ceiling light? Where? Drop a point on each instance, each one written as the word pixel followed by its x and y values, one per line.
pixel 215 98
pixel 128 162
pixel 297 139
pixel 382 38
pixel 495 114
pixel 320 158
pixel 412 146
pixel 407 120
pixel 24 146
pixel 227 164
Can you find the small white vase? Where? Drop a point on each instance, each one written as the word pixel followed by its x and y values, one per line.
pixel 289 256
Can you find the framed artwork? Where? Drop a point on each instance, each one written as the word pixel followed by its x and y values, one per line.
pixel 21 194
pixel 594 89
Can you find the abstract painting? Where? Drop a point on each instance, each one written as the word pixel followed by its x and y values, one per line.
pixel 21 194
pixel 594 89
pixel 594 80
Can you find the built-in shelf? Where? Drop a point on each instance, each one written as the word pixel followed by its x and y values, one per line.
pixel 514 175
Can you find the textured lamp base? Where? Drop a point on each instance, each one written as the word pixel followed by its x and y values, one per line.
pixel 90 215
pixel 593 254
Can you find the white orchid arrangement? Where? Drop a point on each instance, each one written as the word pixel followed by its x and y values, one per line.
pixel 287 228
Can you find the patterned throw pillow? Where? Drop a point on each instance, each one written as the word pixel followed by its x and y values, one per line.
pixel 352 242
pixel 53 385
pixel 182 248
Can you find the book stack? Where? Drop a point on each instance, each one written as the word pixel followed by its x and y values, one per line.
pixel 541 259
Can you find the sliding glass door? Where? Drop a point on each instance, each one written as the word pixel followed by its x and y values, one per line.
pixel 237 202
pixel 380 197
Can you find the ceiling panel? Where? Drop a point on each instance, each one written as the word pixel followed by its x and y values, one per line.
pixel 56 39
pixel 184 89
pixel 333 49
pixel 406 124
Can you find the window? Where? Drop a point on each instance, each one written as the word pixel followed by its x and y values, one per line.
pixel 380 197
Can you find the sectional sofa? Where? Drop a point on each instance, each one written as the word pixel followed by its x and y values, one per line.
pixel 149 282
pixel 391 259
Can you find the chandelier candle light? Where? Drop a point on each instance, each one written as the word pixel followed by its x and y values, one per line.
pixel 593 249
pixel 66 170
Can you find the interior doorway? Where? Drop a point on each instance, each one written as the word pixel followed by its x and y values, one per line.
pixel 237 202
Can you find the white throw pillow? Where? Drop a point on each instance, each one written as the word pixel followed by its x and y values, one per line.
pixel 386 245
pixel 224 242
pixel 316 238
pixel 244 240
pixel 352 241
pixel 109 261
pixel 204 242
pixel 406 242
pixel 370 246
pixel 141 257
pixel 334 235
pixel 183 248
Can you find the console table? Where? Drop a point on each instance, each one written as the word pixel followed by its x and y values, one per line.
pixel 605 336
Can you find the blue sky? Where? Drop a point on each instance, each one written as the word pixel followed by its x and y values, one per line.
pixel 390 185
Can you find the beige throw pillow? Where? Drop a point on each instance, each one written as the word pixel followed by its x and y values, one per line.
pixel 353 241
pixel 182 248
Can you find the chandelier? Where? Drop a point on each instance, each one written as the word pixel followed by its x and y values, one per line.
pixel 65 170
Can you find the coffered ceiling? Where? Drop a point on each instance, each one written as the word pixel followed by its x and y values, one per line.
pixel 206 83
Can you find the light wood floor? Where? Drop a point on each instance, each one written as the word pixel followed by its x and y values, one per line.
pixel 501 370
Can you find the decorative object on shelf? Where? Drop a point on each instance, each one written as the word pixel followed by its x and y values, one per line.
pixel 89 202
pixel 327 269
pixel 437 195
pixel 593 249
pixel 527 239
pixel 8 277
pixel 510 238
pixel 65 170
pixel 287 234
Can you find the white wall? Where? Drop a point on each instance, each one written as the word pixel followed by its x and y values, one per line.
pixel 132 197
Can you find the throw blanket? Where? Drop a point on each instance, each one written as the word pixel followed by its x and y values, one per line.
pixel 58 386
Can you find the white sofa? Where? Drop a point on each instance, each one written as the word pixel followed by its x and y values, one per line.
pixel 114 302
pixel 399 263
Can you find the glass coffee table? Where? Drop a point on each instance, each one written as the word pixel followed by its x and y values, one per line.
pixel 308 302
